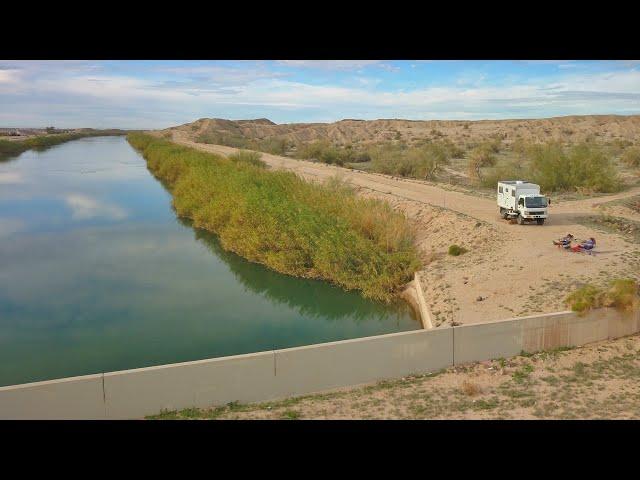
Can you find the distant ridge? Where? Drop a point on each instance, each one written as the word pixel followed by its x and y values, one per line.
pixel 259 121
pixel 573 128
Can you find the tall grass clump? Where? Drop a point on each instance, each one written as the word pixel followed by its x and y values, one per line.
pixel 631 157
pixel 248 156
pixel 292 226
pixel 621 294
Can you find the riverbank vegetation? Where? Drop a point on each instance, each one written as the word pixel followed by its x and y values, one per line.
pixel 275 218
pixel 9 148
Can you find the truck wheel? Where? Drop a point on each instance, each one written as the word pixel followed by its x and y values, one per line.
pixel 520 220
pixel 540 221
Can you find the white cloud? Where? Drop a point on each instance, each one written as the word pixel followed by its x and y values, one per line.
pixel 330 64
pixel 84 207
pixel 8 75
pixel 90 97
pixel 10 178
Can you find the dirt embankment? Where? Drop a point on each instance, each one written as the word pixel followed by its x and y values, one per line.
pixel 510 270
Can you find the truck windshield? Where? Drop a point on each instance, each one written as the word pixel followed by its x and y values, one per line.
pixel 536 202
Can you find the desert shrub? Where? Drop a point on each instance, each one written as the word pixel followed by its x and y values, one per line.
pixel 480 157
pixel 322 151
pixel 275 146
pixel 456 250
pixel 584 167
pixel 621 294
pixel 470 389
pixel 520 147
pixel 508 170
pixel 247 156
pixel 453 150
pixel 360 157
pixel 494 144
pixel 631 157
pixel 218 138
pixel 312 150
pixel 619 145
pixel 275 218
pixel 418 162
pixel 584 298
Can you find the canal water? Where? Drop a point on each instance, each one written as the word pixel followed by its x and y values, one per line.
pixel 98 274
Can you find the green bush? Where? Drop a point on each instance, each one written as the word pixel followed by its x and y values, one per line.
pixel 418 162
pixel 456 250
pixel 250 157
pixel 631 157
pixel 292 226
pixel 584 167
pixel 621 294
pixel 275 146
pixel 480 157
pixel 584 298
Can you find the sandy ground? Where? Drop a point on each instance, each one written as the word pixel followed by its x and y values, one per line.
pixel 515 269
pixel 598 381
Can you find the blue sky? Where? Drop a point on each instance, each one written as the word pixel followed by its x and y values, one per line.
pixel 158 94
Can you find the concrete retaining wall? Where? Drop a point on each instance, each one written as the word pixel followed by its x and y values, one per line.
pixel 423 308
pixel 65 399
pixel 506 338
pixel 303 370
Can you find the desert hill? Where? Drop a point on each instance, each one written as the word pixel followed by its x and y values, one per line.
pixel 602 128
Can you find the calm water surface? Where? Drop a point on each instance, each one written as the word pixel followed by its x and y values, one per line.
pixel 97 274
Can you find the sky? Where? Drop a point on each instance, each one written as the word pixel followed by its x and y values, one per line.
pixel 159 94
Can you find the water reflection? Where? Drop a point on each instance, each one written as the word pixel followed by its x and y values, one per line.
pixel 310 298
pixel 97 274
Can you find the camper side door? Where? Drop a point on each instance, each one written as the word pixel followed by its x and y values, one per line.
pixel 508 199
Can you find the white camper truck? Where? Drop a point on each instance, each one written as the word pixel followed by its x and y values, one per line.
pixel 522 200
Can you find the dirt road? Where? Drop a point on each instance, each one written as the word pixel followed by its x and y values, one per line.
pixel 514 269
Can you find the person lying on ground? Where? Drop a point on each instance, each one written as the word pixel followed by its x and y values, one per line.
pixel 586 245
pixel 564 241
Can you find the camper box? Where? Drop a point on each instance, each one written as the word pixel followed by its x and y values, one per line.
pixel 510 190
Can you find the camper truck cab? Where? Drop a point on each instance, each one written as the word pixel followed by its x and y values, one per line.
pixel 522 200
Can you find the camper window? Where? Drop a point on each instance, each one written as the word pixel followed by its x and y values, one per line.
pixel 500 189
